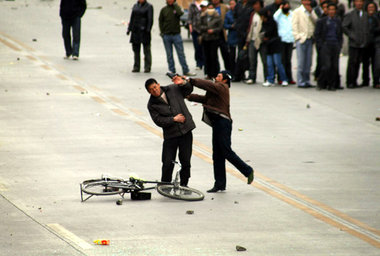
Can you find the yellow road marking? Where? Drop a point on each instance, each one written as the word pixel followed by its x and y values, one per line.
pixel 62 77
pixel 114 99
pixel 64 233
pixel 46 67
pixel 119 111
pixel 10 45
pixel 98 99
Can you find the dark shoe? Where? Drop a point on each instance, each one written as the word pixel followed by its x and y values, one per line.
pixel 292 82
pixel 376 86
pixel 214 190
pixel 340 88
pixel 251 177
pixel 351 86
pixel 147 71
pixel 135 70
pixel 331 89
pixel 75 58
pixel 310 86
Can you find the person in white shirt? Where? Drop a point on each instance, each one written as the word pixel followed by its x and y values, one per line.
pixel 303 25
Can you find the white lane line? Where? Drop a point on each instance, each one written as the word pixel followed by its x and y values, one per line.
pixel 68 236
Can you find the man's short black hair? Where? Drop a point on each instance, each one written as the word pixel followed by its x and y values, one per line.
pixel 149 82
pixel 332 4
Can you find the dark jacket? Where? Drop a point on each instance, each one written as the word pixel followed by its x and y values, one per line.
pixel 273 41
pixel 321 28
pixel 242 14
pixel 70 9
pixel 374 27
pixel 194 17
pixel 141 23
pixel 228 22
pixel 169 19
pixel 216 99
pixel 162 113
pixel 213 22
pixel 356 28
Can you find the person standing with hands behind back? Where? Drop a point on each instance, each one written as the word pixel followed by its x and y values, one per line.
pixel 168 110
pixel 71 12
pixel 216 113
pixel 140 25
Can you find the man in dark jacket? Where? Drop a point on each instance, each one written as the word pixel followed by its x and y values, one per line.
pixel 356 27
pixel 329 36
pixel 170 30
pixel 140 25
pixel 71 12
pixel 168 110
pixel 216 113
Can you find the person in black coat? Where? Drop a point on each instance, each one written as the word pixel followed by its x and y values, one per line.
pixel 168 110
pixel 356 27
pixel 140 25
pixel 71 12
pixel 329 36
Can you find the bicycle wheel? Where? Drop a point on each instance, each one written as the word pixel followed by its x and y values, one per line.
pixel 180 193
pixel 102 187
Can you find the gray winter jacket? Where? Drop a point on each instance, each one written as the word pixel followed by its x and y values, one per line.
pixel 356 28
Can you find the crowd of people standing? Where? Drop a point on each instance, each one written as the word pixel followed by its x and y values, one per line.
pixel 243 29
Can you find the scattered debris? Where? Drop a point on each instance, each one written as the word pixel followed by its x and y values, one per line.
pixel 119 202
pixel 240 129
pixel 378 118
pixel 34 40
pixel 47 94
pixel 95 7
pixel 102 242
pixel 307 106
pixel 236 202
pixel 18 58
pixel 240 248
pixel 189 212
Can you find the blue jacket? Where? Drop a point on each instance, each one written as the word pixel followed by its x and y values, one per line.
pixel 232 34
pixel 284 24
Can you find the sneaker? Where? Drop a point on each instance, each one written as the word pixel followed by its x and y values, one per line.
pixel 267 84
pixel 292 82
pixel 251 177
pixel 198 68
pixel 189 74
pixel 75 58
pixel 67 57
pixel 249 81
pixel 284 83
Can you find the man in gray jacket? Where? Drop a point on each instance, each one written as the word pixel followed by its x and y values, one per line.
pixel 168 110
pixel 355 26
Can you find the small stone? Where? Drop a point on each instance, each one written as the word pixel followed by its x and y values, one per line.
pixel 240 129
pixel 189 212
pixel 119 202
pixel 236 202
pixel 307 106
pixel 18 58
pixel 34 40
pixel 378 118
pixel 47 94
pixel 240 248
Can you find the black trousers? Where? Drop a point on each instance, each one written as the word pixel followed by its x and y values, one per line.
pixel 221 147
pixel 210 50
pixel 232 54
pixel 147 56
pixel 68 25
pixel 286 54
pixel 329 60
pixel 376 77
pixel 368 61
pixel 354 60
pixel 184 145
pixel 223 46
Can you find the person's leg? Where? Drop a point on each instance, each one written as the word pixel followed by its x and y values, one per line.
pixel 178 44
pixel 270 63
pixel 376 79
pixel 147 57
pixel 334 52
pixel 239 70
pixel 263 56
pixel 352 67
pixel 308 60
pixel 222 44
pixel 287 50
pixel 280 67
pixel 366 63
pixel 169 151
pixel 66 34
pixel 252 56
pixel 214 67
pixel 232 54
pixel 219 161
pixel 224 127
pixel 168 43
pixel 206 51
pixel 198 53
pixel 184 155
pixel 76 36
pixel 136 50
pixel 300 63
pixel 325 62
